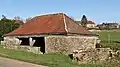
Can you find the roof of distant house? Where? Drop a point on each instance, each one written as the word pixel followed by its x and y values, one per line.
pixel 58 23
pixel 90 22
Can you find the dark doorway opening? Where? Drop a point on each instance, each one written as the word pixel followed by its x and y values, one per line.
pixel 98 45
pixel 40 42
pixel 25 41
pixel 70 56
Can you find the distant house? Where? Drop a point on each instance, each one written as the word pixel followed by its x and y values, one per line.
pixel 89 25
pixel 119 25
pixel 50 33
pixel 108 26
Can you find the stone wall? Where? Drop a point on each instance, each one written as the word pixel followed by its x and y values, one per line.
pixel 96 55
pixel 67 44
pixel 30 49
pixel 64 44
pixel 11 41
pixel 14 43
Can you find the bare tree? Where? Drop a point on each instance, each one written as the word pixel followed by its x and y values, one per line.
pixel 28 19
pixel 17 18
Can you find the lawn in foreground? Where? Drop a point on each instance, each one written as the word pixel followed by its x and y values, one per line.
pixel 51 60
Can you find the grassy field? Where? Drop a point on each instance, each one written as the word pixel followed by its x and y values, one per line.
pixel 110 38
pixel 51 60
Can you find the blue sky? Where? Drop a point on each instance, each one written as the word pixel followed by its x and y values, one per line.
pixel 95 10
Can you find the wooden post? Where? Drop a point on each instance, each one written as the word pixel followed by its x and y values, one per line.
pixel 108 38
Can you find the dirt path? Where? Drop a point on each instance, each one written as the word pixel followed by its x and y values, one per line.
pixel 5 62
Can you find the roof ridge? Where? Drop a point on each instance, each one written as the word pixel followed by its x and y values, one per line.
pixel 64 20
pixel 73 21
pixel 49 14
pixel 45 15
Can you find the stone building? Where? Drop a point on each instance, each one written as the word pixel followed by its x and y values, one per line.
pixel 50 33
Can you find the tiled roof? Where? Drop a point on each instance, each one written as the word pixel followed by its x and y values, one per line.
pixel 49 24
pixel 90 22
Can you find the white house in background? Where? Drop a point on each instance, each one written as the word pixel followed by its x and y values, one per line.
pixel 91 24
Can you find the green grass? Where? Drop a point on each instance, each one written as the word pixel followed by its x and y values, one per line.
pixel 110 38
pixel 51 60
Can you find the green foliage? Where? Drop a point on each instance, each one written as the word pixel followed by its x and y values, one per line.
pixel 84 21
pixel 6 26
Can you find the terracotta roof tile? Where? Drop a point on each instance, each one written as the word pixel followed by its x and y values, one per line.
pixel 49 24
pixel 90 22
